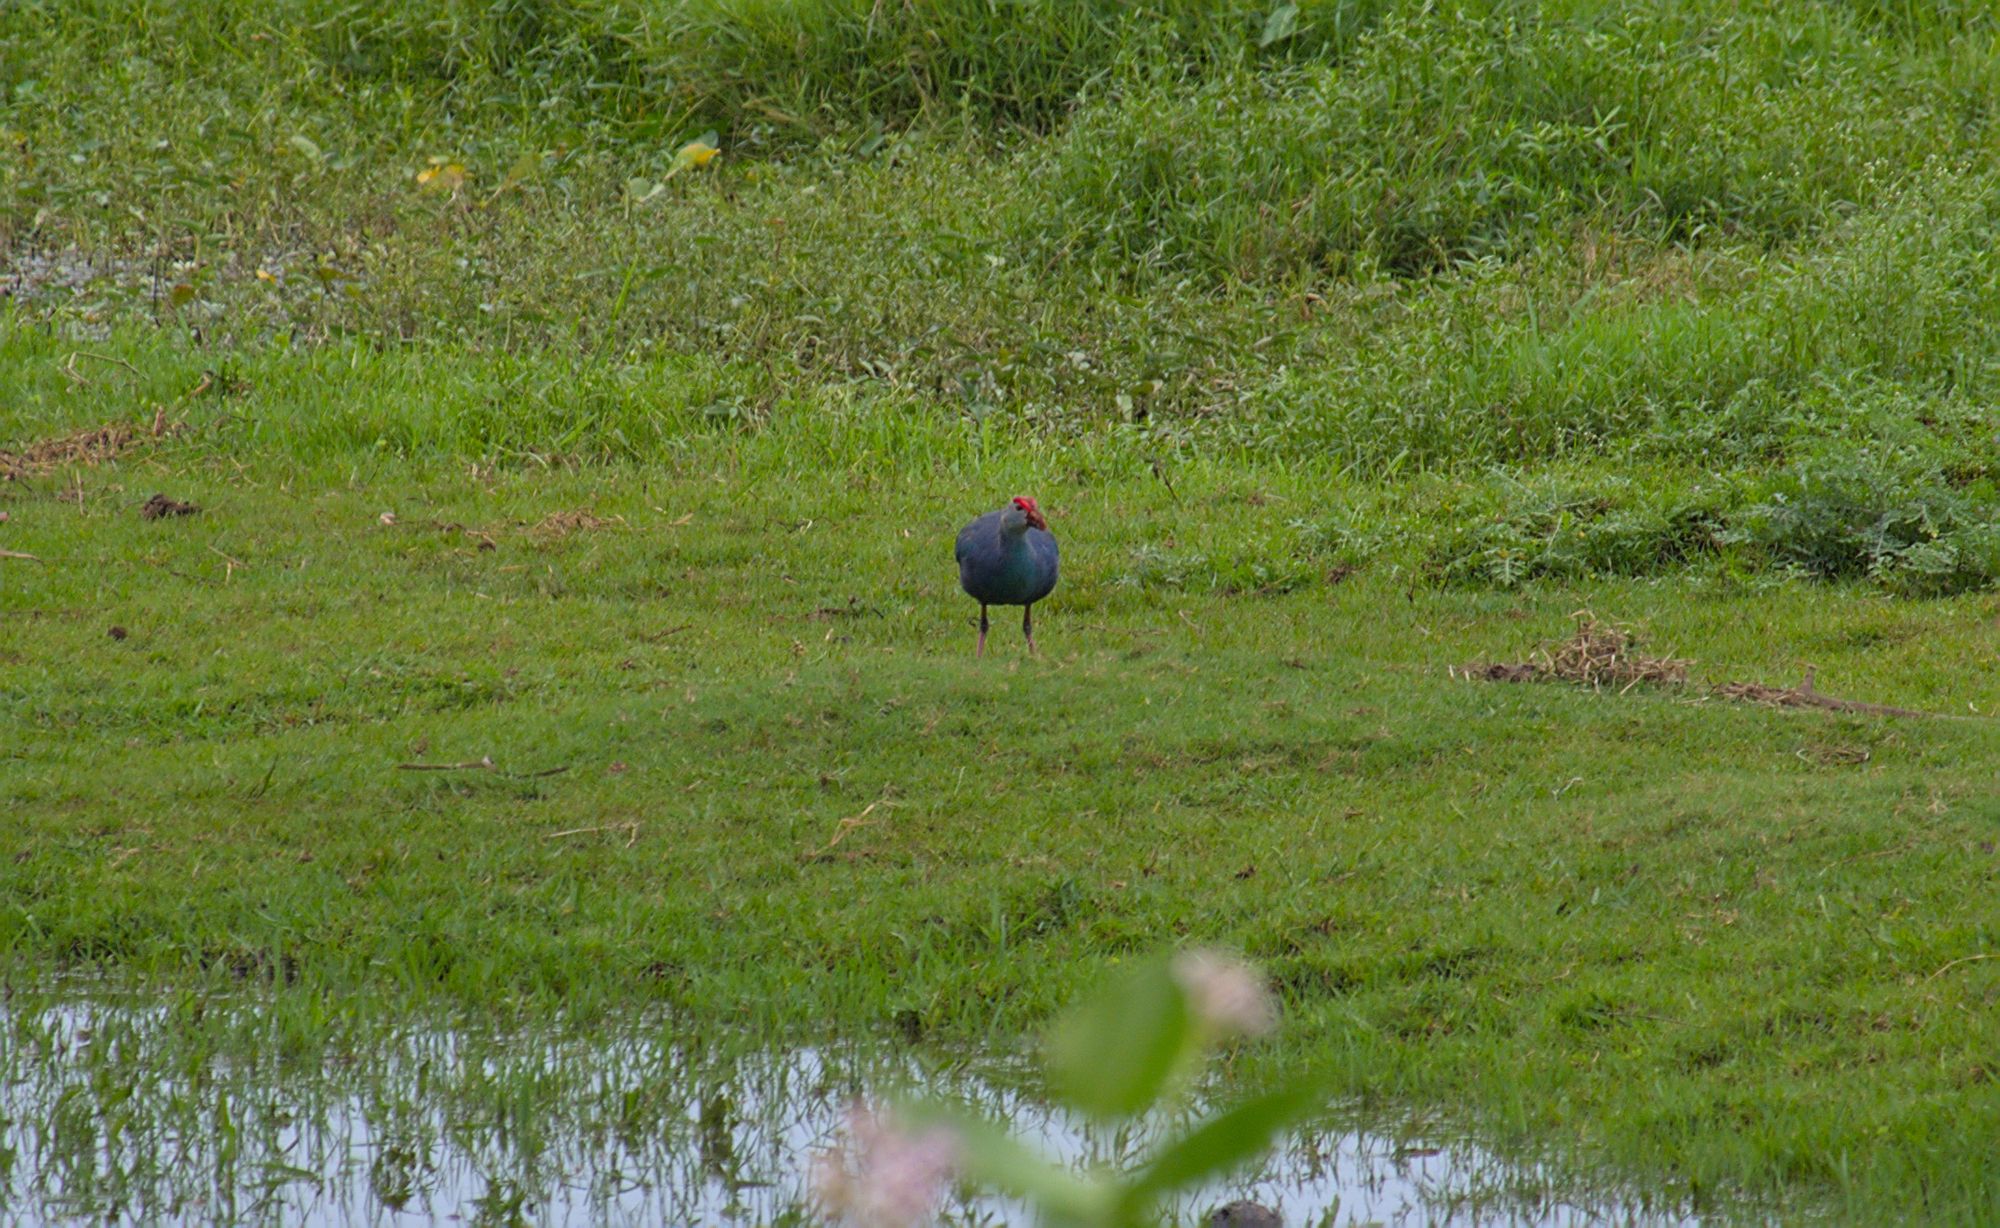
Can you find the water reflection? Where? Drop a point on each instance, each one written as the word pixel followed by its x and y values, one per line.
pixel 126 1113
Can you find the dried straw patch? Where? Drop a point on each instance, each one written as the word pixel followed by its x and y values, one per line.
pixel 1597 655
pixel 91 447
pixel 1807 695
pixel 1601 655
pixel 558 525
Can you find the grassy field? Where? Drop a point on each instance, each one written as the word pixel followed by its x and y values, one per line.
pixel 1343 343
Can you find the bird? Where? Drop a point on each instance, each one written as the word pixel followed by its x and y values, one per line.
pixel 1008 557
pixel 1244 1214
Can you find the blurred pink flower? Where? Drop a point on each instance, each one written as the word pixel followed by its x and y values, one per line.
pixel 1225 993
pixel 882 1176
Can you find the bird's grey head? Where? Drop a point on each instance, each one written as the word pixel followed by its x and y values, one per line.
pixel 1021 515
pixel 1244 1215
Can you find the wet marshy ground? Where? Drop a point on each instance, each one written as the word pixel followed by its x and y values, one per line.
pixel 130 1111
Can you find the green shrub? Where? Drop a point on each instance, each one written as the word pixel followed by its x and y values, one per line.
pixel 1903 526
pixel 1555 530
pixel 1893 516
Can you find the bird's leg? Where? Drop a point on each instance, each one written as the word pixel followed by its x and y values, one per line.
pixel 982 632
pixel 1028 626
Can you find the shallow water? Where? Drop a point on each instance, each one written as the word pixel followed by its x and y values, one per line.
pixel 127 1113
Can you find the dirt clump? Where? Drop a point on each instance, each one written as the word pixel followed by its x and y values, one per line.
pixel 159 507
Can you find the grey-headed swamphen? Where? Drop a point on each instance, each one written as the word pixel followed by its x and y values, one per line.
pixel 1244 1215
pixel 1008 557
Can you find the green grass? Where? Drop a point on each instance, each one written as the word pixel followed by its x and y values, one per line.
pixel 1531 899
pixel 1343 347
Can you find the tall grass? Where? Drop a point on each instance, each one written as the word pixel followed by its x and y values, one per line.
pixel 1365 238
pixel 1899 295
pixel 1453 134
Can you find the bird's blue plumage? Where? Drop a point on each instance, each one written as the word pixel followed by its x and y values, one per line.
pixel 1002 560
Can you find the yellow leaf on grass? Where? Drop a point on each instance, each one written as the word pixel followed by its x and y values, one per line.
pixel 442 176
pixel 695 154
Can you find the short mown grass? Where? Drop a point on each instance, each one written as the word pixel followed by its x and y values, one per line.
pixel 1344 342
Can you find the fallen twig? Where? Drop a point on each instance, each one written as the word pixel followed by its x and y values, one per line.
pixel 76 354
pixel 632 828
pixel 840 833
pixel 482 764
pixel 229 564
pixel 1963 959
pixel 1806 695
pixel 20 554
pixel 1892 851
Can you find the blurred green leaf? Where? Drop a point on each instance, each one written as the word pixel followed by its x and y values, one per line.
pixel 995 1159
pixel 989 1156
pixel 1221 1143
pixel 1113 1055
pixel 524 168
pixel 304 144
pixel 1281 24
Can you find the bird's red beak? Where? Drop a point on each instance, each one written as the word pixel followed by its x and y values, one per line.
pixel 1034 513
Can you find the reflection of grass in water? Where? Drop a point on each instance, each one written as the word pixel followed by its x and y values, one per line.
pixel 112 1103
pixel 214 1119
